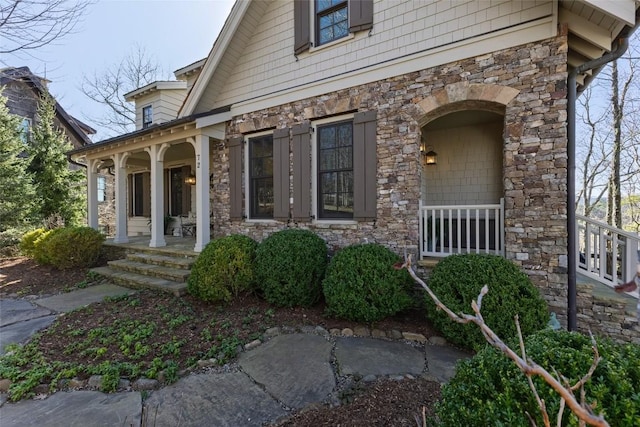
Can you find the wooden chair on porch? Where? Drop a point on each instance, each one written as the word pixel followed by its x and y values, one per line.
pixel 187 225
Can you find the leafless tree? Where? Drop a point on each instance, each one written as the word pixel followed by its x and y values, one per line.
pixel 608 144
pixel 594 154
pixel 26 25
pixel 530 368
pixel 108 87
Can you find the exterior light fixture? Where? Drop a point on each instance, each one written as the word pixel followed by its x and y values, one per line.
pixel 430 157
pixel 191 179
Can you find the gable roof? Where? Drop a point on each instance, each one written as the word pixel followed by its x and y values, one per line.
pixel 225 40
pixel 23 74
pixel 594 26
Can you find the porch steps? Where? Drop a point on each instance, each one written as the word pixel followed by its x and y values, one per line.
pixel 165 269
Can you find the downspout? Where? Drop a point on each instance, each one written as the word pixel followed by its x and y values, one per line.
pixel 623 43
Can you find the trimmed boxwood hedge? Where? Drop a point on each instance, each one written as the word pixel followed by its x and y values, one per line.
pixel 362 285
pixel 489 390
pixel 223 269
pixel 457 281
pixel 290 265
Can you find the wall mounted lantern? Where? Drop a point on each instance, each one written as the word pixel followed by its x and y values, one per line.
pixel 430 157
pixel 191 179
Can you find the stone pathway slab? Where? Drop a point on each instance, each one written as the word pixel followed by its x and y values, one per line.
pixel 211 400
pixel 442 359
pixel 293 368
pixel 21 332
pixel 14 311
pixel 70 301
pixel 370 356
pixel 76 408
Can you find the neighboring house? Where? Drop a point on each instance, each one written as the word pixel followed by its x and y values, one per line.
pixel 23 91
pixel 434 126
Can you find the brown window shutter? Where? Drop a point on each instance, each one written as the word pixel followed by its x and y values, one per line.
pixel 167 191
pixel 302 32
pixel 360 15
pixel 146 192
pixel 364 166
pixel 186 191
pixel 281 174
pixel 130 191
pixel 235 177
pixel 301 148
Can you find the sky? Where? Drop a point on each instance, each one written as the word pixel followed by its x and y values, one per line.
pixel 173 32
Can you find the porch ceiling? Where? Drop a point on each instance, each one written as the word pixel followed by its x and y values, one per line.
pixel 593 27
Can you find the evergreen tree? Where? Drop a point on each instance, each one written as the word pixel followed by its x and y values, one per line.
pixel 16 190
pixel 59 190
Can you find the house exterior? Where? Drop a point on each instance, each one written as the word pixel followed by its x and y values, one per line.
pixel 23 91
pixel 427 126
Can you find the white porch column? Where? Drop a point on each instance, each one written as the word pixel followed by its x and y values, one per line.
pixel 201 147
pixel 156 153
pixel 92 194
pixel 120 162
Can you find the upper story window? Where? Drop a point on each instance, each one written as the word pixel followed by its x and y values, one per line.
pixel 25 129
pixel 335 170
pixel 147 116
pixel 332 20
pixel 261 200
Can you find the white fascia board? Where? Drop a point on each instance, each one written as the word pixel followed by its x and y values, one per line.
pixel 213 119
pixel 215 56
pixel 151 87
pixel 540 29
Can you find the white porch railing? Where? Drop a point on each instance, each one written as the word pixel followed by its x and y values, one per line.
pixel 606 254
pixel 454 229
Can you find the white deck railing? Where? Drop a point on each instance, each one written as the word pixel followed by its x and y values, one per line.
pixel 605 253
pixel 454 229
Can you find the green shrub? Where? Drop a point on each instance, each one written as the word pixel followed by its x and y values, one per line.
pixel 223 269
pixel 28 241
pixel 69 247
pixel 290 265
pixel 362 285
pixel 457 281
pixel 489 390
pixel 41 253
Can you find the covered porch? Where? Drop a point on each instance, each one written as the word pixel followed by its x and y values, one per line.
pixel 161 176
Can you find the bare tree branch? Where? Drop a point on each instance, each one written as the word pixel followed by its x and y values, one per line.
pixel 31 24
pixel 135 70
pixel 528 367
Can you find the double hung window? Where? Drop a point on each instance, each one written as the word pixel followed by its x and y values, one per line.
pixel 335 170
pixel 261 197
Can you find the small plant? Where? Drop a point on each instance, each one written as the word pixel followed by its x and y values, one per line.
pixel 290 265
pixel 223 269
pixel 362 285
pixel 458 279
pixel 495 392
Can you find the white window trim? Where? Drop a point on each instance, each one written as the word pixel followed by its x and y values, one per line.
pixel 102 190
pixel 246 178
pixel 314 170
pixel 133 194
pixel 142 115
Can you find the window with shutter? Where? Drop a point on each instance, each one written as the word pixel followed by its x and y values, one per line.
pixel 345 168
pixel 331 19
pixel 260 170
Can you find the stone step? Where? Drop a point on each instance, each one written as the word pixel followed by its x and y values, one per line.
pixel 152 270
pixel 162 260
pixel 171 251
pixel 139 281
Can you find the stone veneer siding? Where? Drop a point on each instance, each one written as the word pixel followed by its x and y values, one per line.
pixel 534 164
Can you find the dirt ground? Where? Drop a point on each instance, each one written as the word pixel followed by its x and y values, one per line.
pixel 380 403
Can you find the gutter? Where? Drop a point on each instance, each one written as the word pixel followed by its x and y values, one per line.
pixel 623 43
